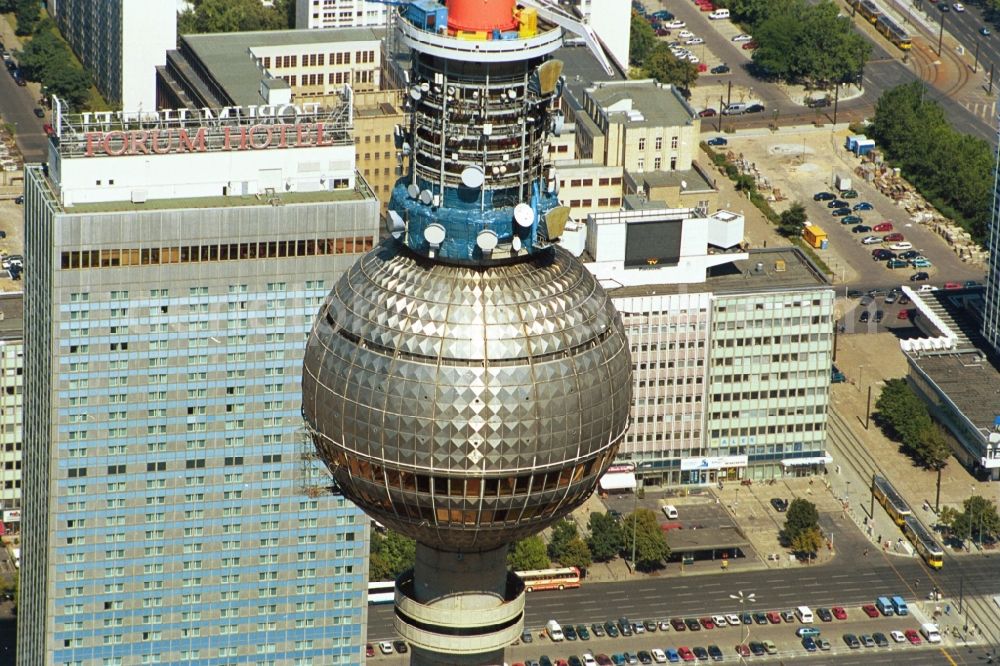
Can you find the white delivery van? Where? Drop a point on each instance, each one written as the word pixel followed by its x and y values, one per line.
pixel 804 614
pixel 930 633
pixel 670 511
pixel 735 109
pixel 554 631
pixel 719 14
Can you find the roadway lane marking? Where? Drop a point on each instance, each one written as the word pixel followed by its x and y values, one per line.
pixel 948 657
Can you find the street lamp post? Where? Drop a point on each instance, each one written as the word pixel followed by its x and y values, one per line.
pixel 742 599
pixel 941 33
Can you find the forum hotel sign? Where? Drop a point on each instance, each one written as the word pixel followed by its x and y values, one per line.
pixel 185 131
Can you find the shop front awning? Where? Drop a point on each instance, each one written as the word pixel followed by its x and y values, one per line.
pixel 799 462
pixel 618 481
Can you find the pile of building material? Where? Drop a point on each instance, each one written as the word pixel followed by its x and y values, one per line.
pixel 889 182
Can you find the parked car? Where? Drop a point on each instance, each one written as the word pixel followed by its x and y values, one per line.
pixel 400 646
pixel 39 112
pixel 19 199
pixel 824 614
pixel 385 647
pixel 896 263
pixel 870 610
pixel 839 613
pixel 840 212
pixel 755 108
pixel 760 618
pixel 863 205
pixel 880 639
pixel 721 69
pixel 913 636
pixel 903 245
pixel 743 650
pixel 903 314
pixel 743 37
pixel 370 649
pixel 822 643
pixel 861 229
pixel 757 648
pixel 692 624
pixel 774 617
pixel 809 644
pixel 883 226
pixel 985 32
pixel 871 240
pixel 852 641
pixel 780 505
pixel 770 647
pixel 865 316
pixel 921 262
pixel 849 194
pixel 748 46
pixel 694 41
pixel 675 24
pixel 685 653
pixel 707 622
pixel 717 141
pixel 898 636
pixel 893 237
pixel 597 630
pixel 851 219
pixel 708 113
pixel 818 103
pixel 879 316
pixel 824 196
pixel 881 254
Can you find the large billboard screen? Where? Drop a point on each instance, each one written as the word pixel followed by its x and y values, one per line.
pixel 650 244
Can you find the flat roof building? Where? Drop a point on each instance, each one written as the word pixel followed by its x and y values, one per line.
pixel 173 508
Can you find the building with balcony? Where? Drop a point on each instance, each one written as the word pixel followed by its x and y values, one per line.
pixel 321 14
pixel 121 43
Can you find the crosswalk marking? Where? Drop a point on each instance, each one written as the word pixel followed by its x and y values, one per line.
pixel 986 110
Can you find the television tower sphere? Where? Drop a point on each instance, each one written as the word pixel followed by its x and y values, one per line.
pixel 468 381
pixel 467 407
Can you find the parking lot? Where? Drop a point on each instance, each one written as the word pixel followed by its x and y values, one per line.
pixel 803 162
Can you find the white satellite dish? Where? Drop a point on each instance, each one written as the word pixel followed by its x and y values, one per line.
pixel 395 224
pixel 413 190
pixel 516 244
pixel 473 176
pixel 426 197
pixel 487 240
pixel 684 184
pixel 416 94
pixel 524 215
pixel 512 93
pixel 434 234
pixel 425 86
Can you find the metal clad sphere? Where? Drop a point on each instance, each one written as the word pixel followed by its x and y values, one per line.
pixel 467 406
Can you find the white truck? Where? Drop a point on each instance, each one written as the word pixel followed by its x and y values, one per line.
pixel 554 631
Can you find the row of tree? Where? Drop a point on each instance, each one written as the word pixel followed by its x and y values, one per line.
pixel 953 171
pixel 235 16
pixel 801 42
pixel 609 538
pixel 654 59
pixel 26 12
pixel 905 418
pixel 47 59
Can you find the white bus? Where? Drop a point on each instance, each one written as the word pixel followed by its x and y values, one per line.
pixel 381 592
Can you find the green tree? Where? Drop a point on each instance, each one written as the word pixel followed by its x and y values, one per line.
pixel 231 16
pixel 576 554
pixel 801 516
pixel 27 13
pixel 69 82
pixel 528 553
pixel 954 171
pixel 979 518
pixel 605 540
pixel 663 66
pixel 562 533
pixel 641 39
pixel 651 549
pixel 390 554
pixel 903 414
pixel 807 542
pixel 792 220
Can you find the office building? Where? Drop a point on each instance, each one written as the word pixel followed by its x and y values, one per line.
pixel 11 394
pixel 120 42
pixel 321 14
pixel 991 306
pixel 172 508
pixel 731 349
